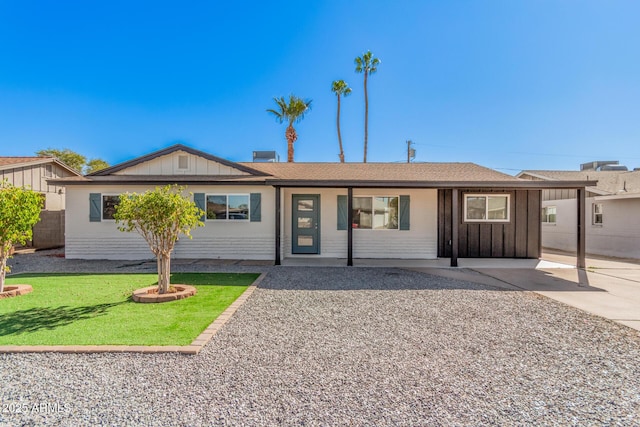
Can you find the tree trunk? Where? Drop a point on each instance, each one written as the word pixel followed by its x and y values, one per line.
pixel 164 271
pixel 339 136
pixel 366 116
pixel 3 267
pixel 291 136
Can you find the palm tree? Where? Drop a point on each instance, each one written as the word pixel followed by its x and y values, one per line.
pixel 366 64
pixel 292 112
pixel 340 87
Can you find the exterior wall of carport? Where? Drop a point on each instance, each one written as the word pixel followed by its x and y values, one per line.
pixel 518 238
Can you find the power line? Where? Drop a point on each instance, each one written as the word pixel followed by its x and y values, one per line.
pixel 584 156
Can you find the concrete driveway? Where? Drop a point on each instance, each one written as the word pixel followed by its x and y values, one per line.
pixel 609 287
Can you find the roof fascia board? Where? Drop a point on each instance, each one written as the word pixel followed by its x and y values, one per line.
pixel 343 184
pixel 154 182
pixel 433 184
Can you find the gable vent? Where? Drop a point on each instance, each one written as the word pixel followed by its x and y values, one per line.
pixel 183 162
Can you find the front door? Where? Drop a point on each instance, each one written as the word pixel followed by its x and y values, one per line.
pixel 305 223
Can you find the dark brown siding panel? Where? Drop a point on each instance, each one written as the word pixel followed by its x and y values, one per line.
pixel 497 240
pixel 533 224
pixel 463 247
pixel 518 238
pixel 444 223
pixel 441 236
pixel 521 223
pixel 447 223
pixel 510 230
pixel 473 240
pixel 485 240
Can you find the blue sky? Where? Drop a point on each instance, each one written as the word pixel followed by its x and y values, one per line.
pixel 507 84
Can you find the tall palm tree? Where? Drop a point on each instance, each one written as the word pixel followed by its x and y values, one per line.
pixel 366 64
pixel 292 112
pixel 340 88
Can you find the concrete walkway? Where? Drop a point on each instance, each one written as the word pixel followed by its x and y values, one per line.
pixel 609 287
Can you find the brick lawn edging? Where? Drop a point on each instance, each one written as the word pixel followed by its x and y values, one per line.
pixel 193 348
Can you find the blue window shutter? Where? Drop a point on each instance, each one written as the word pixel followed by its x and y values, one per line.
pixel 198 199
pixel 342 213
pixel 256 207
pixel 95 210
pixel 405 212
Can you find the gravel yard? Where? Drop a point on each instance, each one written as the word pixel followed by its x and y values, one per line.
pixel 353 346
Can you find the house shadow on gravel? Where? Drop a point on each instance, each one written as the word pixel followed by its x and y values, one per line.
pixel 35 319
pixel 361 278
pixel 379 278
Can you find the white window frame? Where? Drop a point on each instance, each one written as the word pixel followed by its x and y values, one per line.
pixel 102 196
pixel 487 195
pixel 48 171
pixel 545 214
pixel 594 214
pixel 227 195
pixel 373 211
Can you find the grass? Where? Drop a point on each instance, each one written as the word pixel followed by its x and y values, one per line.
pixel 97 309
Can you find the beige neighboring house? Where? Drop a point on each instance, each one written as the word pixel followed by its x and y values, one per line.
pixel 612 208
pixel 34 172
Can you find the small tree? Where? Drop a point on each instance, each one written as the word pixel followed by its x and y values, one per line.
pixel 19 212
pixel 95 165
pixel 75 160
pixel 160 216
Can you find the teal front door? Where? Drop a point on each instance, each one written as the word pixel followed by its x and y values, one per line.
pixel 305 223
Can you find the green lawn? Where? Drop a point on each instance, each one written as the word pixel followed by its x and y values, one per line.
pixel 95 309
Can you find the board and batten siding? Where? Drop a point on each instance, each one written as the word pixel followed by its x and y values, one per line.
pixel 419 242
pixel 34 176
pixel 215 240
pixel 518 238
pixel 169 165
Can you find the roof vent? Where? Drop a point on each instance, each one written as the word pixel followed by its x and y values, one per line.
pixel 265 157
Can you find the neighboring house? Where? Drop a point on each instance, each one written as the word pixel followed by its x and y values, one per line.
pixel 35 172
pixel 267 211
pixel 612 207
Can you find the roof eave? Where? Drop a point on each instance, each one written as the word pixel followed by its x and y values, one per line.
pixel 432 184
pixel 158 181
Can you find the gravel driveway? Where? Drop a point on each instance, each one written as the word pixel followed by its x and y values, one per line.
pixel 353 346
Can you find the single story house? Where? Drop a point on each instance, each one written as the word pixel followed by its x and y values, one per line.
pixel 35 172
pixel 270 211
pixel 613 205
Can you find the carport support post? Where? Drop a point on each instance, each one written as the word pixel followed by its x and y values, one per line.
pixel 455 214
pixel 349 226
pixel 278 213
pixel 581 197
